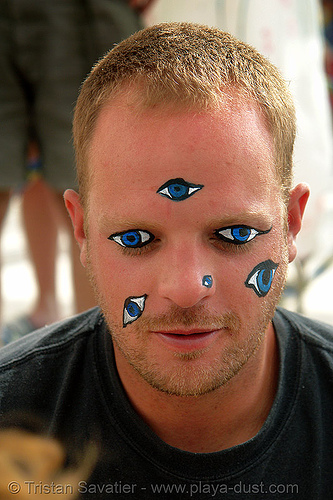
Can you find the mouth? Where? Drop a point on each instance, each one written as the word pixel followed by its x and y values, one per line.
pixel 187 340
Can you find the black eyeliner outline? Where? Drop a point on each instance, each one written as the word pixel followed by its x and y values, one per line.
pixel 236 242
pixel 127 301
pixel 182 182
pixel 262 266
pixel 111 238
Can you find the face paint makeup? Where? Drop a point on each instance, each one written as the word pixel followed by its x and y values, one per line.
pixel 238 235
pixel 261 277
pixel 207 281
pixel 133 308
pixel 134 238
pixel 178 189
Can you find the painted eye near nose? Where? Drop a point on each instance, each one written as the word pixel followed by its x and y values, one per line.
pixel 261 277
pixel 207 281
pixel 178 189
pixel 133 308
pixel 132 239
pixel 238 235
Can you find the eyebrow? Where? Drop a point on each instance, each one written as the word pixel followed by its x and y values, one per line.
pixel 106 223
pixel 257 220
pixel 253 219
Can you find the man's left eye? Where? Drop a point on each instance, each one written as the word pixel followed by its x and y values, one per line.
pixel 238 235
pixel 135 238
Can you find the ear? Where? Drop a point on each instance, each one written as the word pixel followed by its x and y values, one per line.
pixel 76 213
pixel 298 198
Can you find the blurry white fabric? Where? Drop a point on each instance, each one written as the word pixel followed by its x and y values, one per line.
pixel 288 32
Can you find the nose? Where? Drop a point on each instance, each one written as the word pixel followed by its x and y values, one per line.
pixel 185 278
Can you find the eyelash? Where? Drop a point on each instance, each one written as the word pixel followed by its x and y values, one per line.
pixel 237 245
pixel 231 247
pixel 220 244
pixel 134 252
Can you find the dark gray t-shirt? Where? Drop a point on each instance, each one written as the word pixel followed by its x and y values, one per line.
pixel 65 374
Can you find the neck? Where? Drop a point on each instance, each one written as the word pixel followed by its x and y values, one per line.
pixel 212 422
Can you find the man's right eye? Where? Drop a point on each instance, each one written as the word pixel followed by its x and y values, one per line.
pixel 238 235
pixel 135 238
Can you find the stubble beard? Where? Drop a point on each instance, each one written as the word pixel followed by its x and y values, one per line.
pixel 188 377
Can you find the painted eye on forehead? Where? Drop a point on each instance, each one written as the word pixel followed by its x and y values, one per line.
pixel 178 189
pixel 134 238
pixel 261 277
pixel 238 235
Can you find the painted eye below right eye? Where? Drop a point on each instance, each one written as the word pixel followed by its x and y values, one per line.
pixel 135 238
pixel 261 277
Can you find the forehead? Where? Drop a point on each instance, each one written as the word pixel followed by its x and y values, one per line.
pixel 134 151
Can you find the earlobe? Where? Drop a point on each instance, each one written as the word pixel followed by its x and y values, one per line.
pixel 298 199
pixel 76 213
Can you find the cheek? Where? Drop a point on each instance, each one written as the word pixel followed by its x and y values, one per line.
pixel 121 286
pixel 230 289
pixel 116 275
pixel 233 290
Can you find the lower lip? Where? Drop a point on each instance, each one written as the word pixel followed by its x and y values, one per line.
pixel 186 343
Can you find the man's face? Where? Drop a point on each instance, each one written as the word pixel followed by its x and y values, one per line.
pixel 187 262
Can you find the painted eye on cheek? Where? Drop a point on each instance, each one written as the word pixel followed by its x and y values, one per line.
pixel 133 308
pixel 238 235
pixel 261 277
pixel 178 189
pixel 132 239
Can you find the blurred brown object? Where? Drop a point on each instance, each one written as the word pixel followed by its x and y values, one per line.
pixel 32 465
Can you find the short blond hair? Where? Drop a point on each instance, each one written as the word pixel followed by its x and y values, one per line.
pixel 192 66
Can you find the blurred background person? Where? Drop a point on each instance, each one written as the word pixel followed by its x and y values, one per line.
pixel 46 49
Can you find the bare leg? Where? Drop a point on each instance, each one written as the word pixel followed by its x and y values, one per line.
pixel 43 212
pixel 41 229
pixel 4 201
pixel 83 294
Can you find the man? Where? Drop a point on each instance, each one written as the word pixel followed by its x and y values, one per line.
pixel 186 220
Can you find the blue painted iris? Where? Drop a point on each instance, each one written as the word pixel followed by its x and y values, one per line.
pixel 238 235
pixel 135 238
pixel 261 277
pixel 207 281
pixel 178 189
pixel 133 308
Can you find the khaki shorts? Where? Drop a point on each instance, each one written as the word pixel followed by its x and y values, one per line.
pixel 47 47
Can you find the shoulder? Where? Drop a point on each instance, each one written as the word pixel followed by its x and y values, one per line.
pixel 45 372
pixel 58 337
pixel 313 338
pixel 310 331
